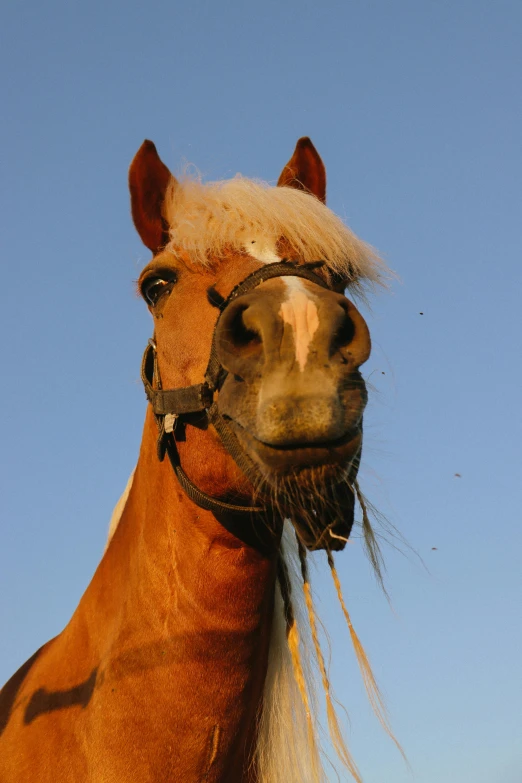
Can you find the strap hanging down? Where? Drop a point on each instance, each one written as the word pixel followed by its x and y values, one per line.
pixel 197 495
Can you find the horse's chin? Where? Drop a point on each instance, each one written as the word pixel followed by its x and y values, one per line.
pixel 311 485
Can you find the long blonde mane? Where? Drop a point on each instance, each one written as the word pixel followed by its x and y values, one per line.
pixel 206 220
pixel 286 751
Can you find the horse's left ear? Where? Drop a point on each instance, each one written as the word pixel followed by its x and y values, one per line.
pixel 305 170
pixel 148 181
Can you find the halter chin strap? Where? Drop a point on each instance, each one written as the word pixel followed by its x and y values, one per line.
pixel 172 405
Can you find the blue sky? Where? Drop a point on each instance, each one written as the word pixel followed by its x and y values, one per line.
pixel 416 110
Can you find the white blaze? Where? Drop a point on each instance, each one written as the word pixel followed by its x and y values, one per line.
pixel 298 310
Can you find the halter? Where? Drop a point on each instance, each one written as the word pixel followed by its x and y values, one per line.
pixel 171 406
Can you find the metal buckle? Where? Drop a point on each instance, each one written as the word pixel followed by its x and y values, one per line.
pixel 169 422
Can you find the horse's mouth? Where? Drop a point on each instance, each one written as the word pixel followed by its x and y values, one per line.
pixel 311 484
pixel 333 456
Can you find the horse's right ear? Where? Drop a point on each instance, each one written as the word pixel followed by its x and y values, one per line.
pixel 305 170
pixel 148 181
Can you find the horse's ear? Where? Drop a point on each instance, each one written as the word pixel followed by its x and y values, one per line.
pixel 305 170
pixel 148 181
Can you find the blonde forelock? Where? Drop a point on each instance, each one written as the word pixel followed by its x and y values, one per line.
pixel 208 220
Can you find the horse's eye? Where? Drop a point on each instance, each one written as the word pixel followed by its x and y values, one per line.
pixel 153 288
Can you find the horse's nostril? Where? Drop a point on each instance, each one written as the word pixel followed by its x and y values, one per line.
pixel 344 334
pixel 241 336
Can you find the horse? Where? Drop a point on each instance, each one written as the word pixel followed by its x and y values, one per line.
pixel 184 660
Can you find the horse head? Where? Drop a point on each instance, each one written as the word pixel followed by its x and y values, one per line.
pixel 247 283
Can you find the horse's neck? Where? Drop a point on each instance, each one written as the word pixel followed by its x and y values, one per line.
pixel 185 613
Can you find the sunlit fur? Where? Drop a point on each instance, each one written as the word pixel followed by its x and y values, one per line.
pixel 289 742
pixel 206 220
